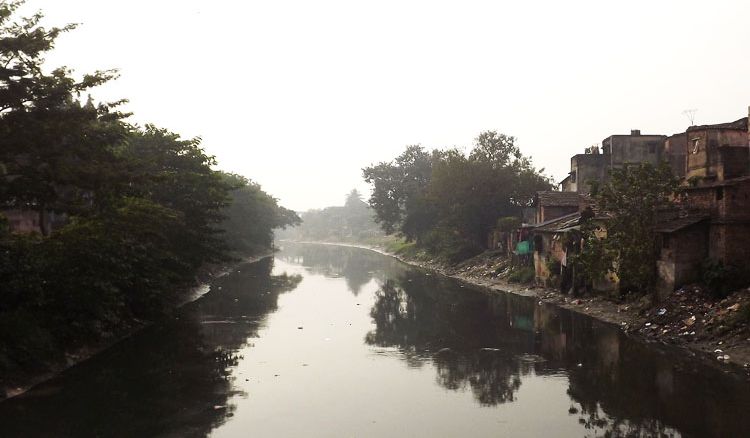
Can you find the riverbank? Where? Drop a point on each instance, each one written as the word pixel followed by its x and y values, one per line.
pixel 18 384
pixel 711 330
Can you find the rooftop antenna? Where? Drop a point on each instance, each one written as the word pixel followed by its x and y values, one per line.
pixel 690 114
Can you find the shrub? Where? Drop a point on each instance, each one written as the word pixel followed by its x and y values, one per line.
pixel 524 274
pixel 721 279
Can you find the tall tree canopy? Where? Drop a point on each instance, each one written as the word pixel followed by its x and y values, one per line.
pixel 56 154
pixel 141 210
pixel 451 198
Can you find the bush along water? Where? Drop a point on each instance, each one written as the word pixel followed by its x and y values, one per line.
pixel 127 215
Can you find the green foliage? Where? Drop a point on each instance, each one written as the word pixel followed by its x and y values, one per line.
pixel 508 223
pixel 251 216
pixel 177 174
pixel 143 209
pixel 522 274
pixel 449 246
pixel 399 190
pixel 595 259
pixel 632 197
pixel 58 154
pixel 354 222
pixel 721 279
pixel 448 194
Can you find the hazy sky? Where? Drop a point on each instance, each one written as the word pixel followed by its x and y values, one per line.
pixel 300 95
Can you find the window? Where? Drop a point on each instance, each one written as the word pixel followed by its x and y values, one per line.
pixel 652 148
pixel 720 193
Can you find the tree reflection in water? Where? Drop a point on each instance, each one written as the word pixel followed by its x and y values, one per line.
pixel 355 265
pixel 461 333
pixel 618 386
pixel 175 378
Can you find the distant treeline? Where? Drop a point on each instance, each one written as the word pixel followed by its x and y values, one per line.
pixel 354 222
pixel 128 215
pixel 447 201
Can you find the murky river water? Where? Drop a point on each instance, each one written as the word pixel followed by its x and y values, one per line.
pixel 331 341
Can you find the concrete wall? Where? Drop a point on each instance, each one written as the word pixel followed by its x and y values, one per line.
pixel 634 148
pixel 736 243
pixel 680 259
pixel 734 161
pixel 587 168
pixel 675 152
pixel 703 158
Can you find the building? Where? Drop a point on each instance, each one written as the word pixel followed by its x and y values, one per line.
pixel 683 246
pixel 617 151
pixel 713 219
pixel 675 151
pixel 585 170
pixel 717 152
pixel 551 205
pixel 552 244
pixel 635 148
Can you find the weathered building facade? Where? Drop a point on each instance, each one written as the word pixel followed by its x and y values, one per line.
pixel 585 170
pixel 551 205
pixel 635 148
pixel 717 152
pixel 714 209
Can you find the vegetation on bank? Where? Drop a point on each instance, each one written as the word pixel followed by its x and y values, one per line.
pixel 138 210
pixel 447 201
pixel 351 223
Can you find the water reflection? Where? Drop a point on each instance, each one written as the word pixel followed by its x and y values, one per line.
pixel 356 266
pixel 491 342
pixel 509 354
pixel 174 379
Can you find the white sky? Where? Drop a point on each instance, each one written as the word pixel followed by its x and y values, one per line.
pixel 300 95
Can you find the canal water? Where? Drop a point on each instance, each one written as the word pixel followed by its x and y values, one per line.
pixel 327 341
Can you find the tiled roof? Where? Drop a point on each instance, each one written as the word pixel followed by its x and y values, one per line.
pixel 557 199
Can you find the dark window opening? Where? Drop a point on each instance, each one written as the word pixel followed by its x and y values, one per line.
pixel 652 148
pixel 720 193
pixel 538 245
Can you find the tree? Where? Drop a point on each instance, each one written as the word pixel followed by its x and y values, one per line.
pixel 354 199
pixel 178 175
pixel 252 215
pixel 399 192
pixel 448 201
pixel 57 154
pixel 632 198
